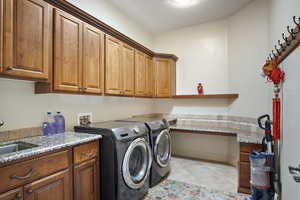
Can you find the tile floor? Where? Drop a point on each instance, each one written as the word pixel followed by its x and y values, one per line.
pixel 206 174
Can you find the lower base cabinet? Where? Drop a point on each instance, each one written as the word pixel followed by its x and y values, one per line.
pixel 55 176
pixel 86 180
pixel 244 166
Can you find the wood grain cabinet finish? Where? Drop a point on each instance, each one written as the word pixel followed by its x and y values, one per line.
pixel 165 77
pixel 149 77
pixel 51 176
pixel 128 70
pixel 54 187
pixel 79 55
pixel 113 66
pixel 85 152
pixel 67 52
pixel 244 166
pixel 140 74
pixel 13 175
pixel 93 60
pixel 26 39
pixel 16 194
pixel 86 180
pixel 1 34
pixel 119 67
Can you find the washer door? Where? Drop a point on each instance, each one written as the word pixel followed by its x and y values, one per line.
pixel 162 148
pixel 137 163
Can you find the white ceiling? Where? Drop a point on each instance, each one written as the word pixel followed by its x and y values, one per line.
pixel 159 16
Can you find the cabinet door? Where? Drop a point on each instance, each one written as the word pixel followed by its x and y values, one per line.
pixel 27 38
pixel 93 60
pixel 113 67
pixel 16 194
pixel 162 76
pixel 1 35
pixel 55 187
pixel 128 70
pixel 140 73
pixel 86 181
pixel 149 77
pixel 68 52
pixel 244 177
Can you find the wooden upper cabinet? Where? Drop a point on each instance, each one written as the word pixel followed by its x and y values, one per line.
pixel 113 66
pixel 67 52
pixel 165 77
pixel 140 74
pixel 1 35
pixel 93 60
pixel 55 187
pixel 26 38
pixel 16 194
pixel 128 70
pixel 149 77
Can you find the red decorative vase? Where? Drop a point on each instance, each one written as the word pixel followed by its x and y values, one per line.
pixel 200 88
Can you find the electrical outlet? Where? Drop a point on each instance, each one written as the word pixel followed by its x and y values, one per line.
pixel 84 119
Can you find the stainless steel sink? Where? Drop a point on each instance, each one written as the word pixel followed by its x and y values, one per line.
pixel 15 147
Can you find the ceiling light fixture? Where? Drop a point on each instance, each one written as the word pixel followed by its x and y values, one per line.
pixel 183 3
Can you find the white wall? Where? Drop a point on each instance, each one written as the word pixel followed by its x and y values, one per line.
pixel 21 108
pixel 281 13
pixel 111 15
pixel 202 52
pixel 203 57
pixel 226 56
pixel 248 42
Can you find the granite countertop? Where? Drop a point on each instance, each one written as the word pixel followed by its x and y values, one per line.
pixel 242 136
pixel 47 143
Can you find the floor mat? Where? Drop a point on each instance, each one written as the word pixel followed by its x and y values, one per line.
pixel 175 190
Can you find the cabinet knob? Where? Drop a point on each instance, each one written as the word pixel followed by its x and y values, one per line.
pixel 19 196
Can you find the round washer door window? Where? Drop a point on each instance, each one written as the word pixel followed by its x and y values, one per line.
pixel 137 163
pixel 162 148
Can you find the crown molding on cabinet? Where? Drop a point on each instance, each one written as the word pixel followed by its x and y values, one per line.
pixel 77 12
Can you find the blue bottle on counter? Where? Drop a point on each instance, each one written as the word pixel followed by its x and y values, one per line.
pixel 49 126
pixel 59 122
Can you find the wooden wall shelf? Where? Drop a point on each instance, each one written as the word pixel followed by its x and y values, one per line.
pixel 207 96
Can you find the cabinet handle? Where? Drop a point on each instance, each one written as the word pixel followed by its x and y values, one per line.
pixel 9 68
pixel 84 88
pixel 88 154
pixel 30 173
pixel 19 196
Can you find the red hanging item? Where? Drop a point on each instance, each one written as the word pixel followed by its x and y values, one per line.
pixel 273 71
pixel 274 74
pixel 276 118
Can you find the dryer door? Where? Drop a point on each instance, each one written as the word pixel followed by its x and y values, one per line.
pixel 137 163
pixel 162 148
